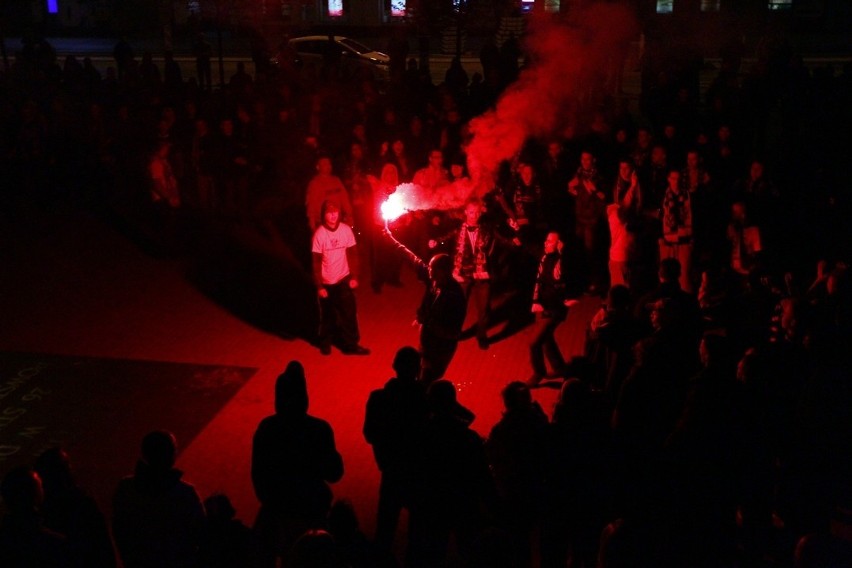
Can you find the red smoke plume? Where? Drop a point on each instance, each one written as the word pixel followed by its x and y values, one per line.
pixel 571 61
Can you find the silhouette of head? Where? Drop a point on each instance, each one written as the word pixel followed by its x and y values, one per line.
pixel 21 490
pixel 662 314
pixel 219 508
pixel 517 396
pixel 54 468
pixel 572 399
pixel 618 298
pixel 573 393
pixel 442 397
pixel 817 550
pixel 314 549
pixel 440 267
pixel 159 449
pixel 291 390
pixel 406 363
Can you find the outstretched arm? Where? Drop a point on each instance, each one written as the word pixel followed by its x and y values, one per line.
pixel 415 261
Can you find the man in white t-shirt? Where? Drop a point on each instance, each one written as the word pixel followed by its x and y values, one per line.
pixel 335 267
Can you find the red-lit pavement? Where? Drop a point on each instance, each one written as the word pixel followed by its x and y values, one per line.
pixel 75 286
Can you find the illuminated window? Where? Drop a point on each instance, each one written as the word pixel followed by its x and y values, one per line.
pixel 665 6
pixel 335 8
pixel 710 5
pixel 52 6
pixel 397 8
pixel 780 4
pixel 551 6
pixel 527 5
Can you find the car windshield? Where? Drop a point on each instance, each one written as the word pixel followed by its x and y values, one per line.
pixel 359 48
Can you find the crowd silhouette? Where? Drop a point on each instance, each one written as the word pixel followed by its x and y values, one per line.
pixel 706 423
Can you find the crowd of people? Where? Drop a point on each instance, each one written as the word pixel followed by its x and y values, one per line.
pixel 704 425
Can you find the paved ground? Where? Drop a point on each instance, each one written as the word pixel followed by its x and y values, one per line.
pixel 73 285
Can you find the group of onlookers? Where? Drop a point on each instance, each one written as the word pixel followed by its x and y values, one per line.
pixel 706 423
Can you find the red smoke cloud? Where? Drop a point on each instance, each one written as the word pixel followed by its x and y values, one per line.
pixel 571 61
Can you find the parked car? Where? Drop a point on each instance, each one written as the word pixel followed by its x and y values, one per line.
pixel 355 58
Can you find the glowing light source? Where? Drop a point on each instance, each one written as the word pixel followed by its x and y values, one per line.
pixel 780 4
pixel 398 8
pixel 335 8
pixel 410 197
pixel 393 207
pixel 52 6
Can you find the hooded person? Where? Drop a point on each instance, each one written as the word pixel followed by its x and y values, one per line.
pixel 294 458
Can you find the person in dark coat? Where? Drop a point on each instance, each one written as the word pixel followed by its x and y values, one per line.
pixel 455 485
pixel 353 547
pixel 476 247
pixel 70 511
pixel 157 518
pixel 517 452
pixel 550 305
pixel 227 541
pixel 704 451
pixel 294 458
pixel 685 310
pixel 649 405
pixel 578 477
pixel 393 425
pixel 24 540
pixel 441 312
pixel 610 338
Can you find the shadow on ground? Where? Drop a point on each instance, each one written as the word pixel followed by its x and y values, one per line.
pixel 81 405
pixel 255 275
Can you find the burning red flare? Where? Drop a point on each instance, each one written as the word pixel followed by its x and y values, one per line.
pixel 393 207
pixel 410 197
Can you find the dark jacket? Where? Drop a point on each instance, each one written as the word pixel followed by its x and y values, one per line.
pixel 294 457
pixel 477 260
pixel 157 520
pixel 550 290
pixel 393 424
pixel 442 309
